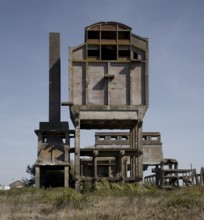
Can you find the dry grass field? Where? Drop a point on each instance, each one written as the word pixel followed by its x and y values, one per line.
pixel 106 202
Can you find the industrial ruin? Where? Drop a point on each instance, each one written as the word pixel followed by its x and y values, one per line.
pixel 108 90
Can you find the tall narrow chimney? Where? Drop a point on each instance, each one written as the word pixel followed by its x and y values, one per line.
pixel 54 78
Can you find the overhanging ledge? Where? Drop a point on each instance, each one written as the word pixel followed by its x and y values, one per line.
pixel 108 115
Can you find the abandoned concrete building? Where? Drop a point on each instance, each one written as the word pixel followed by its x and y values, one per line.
pixel 108 90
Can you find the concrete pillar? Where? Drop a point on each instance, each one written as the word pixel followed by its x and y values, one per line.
pixel 125 167
pixel 77 155
pixel 66 160
pixel 37 176
pixel 139 160
pixel 122 165
pixel 133 145
pixel 95 171
pixel 66 176
pixel 109 168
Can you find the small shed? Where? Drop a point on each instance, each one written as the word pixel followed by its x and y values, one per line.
pixel 17 184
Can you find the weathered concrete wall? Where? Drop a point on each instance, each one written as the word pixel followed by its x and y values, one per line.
pixel 110 68
pixel 79 84
pixel 96 83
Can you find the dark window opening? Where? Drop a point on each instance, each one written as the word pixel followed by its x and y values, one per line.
pixel 52 176
pixel 108 35
pixel 135 55
pixel 108 52
pixel 124 53
pixel 102 171
pixel 93 34
pixel 123 35
pixel 93 53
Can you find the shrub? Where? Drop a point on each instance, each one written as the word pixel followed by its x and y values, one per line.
pixel 67 197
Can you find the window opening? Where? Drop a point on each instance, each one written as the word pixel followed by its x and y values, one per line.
pixel 108 52
pixel 135 55
pixel 64 140
pixel 101 138
pixel 123 35
pixel 93 34
pixel 154 138
pixel 108 35
pixel 113 138
pixel 93 51
pixel 44 140
pixel 124 53
pixel 124 138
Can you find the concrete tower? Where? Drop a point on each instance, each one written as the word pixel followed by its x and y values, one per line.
pixel 53 136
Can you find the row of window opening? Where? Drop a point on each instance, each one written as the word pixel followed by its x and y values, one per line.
pixel 113 138
pixel 111 52
pixel 108 35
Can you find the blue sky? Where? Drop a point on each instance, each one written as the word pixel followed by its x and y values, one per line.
pixel 175 29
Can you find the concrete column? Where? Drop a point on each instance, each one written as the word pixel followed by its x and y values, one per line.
pixel 109 168
pixel 77 155
pixel 122 166
pixel 125 167
pixel 140 147
pixel 95 170
pixel 133 145
pixel 37 176
pixel 66 176
pixel 66 160
pixel 133 166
